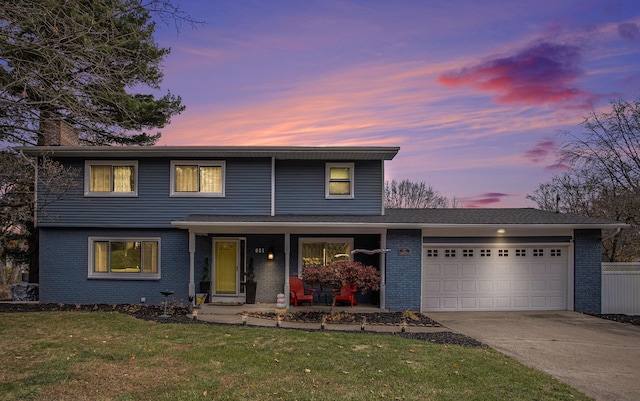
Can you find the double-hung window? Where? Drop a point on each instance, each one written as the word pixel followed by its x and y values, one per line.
pixel 339 181
pixel 126 258
pixel 323 251
pixel 110 178
pixel 197 178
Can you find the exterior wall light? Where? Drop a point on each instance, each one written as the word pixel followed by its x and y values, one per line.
pixel 270 254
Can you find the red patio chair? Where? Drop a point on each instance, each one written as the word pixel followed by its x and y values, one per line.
pixel 297 292
pixel 347 294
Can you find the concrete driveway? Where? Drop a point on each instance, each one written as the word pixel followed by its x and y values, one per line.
pixel 598 357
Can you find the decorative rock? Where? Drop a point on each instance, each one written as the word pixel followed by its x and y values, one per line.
pixel 281 301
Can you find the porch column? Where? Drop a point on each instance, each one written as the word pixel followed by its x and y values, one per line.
pixel 287 253
pixel 192 257
pixel 383 268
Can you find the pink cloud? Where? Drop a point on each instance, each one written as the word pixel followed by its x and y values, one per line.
pixel 539 74
pixel 541 151
pixel 484 200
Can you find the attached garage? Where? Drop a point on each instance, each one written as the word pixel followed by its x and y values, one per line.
pixel 473 277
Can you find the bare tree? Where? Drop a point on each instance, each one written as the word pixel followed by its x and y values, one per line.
pixel 413 195
pixel 605 177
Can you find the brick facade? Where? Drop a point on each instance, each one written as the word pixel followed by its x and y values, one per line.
pixel 587 271
pixel 404 270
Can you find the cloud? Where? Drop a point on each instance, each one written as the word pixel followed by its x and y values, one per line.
pixel 541 151
pixel 483 200
pixel 629 31
pixel 539 74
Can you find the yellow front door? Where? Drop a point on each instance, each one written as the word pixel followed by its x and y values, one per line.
pixel 226 267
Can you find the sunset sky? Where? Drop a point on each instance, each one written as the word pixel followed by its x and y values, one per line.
pixel 476 93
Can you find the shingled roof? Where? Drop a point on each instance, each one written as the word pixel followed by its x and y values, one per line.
pixel 415 218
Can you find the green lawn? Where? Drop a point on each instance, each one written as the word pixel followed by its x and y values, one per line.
pixel 111 356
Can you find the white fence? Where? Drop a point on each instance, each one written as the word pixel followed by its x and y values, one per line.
pixel 621 288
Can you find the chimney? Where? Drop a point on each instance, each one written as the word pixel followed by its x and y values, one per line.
pixel 57 132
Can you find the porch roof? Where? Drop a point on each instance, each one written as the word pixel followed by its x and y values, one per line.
pixel 408 219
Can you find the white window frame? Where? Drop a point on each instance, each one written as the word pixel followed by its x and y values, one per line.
pixel 123 276
pixel 87 178
pixel 200 163
pixel 328 168
pixel 305 240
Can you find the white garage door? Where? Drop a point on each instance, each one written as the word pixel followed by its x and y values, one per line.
pixel 494 278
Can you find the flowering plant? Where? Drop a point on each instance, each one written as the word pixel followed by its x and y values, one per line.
pixel 342 272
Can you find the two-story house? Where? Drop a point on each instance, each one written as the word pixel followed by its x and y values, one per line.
pixel 149 219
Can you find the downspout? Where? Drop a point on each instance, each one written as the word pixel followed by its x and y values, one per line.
pixel 287 253
pixel 383 269
pixel 192 258
pixel 612 235
pixel 273 186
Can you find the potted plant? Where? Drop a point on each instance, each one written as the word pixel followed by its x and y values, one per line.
pixel 250 285
pixel 205 282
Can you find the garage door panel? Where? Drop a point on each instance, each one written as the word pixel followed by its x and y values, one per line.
pixel 521 285
pixel 450 285
pixel 485 286
pixel 451 270
pixel 432 286
pixel 515 277
pixel 468 286
pixel 485 303
pixel 503 285
pixel 450 303
pixel 468 303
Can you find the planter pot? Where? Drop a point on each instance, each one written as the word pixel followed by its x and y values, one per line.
pixel 250 289
pixel 205 287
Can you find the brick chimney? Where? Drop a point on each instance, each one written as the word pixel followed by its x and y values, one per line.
pixel 57 132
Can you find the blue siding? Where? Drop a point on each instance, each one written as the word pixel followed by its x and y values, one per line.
pixel 588 271
pixel 404 272
pixel 64 256
pixel 247 191
pixel 300 189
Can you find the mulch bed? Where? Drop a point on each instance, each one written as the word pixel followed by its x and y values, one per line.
pixel 178 314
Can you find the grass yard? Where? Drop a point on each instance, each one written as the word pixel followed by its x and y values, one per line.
pixel 112 356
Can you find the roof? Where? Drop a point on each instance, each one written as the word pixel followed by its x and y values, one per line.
pixel 278 152
pixel 411 218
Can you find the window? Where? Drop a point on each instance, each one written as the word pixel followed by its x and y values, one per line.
pixel 467 253
pixel 339 181
pixel 503 252
pixel 323 251
pixel 197 178
pixel 110 178
pixel 485 253
pixel 521 252
pixel 432 253
pixel 129 258
pixel 449 253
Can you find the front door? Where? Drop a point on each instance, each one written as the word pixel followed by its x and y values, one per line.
pixel 226 268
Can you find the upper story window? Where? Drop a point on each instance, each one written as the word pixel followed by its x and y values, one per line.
pixel 111 178
pixel 339 178
pixel 127 258
pixel 197 178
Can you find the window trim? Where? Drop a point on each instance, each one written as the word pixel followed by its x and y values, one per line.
pixel 87 178
pixel 91 274
pixel 200 163
pixel 328 181
pixel 304 240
